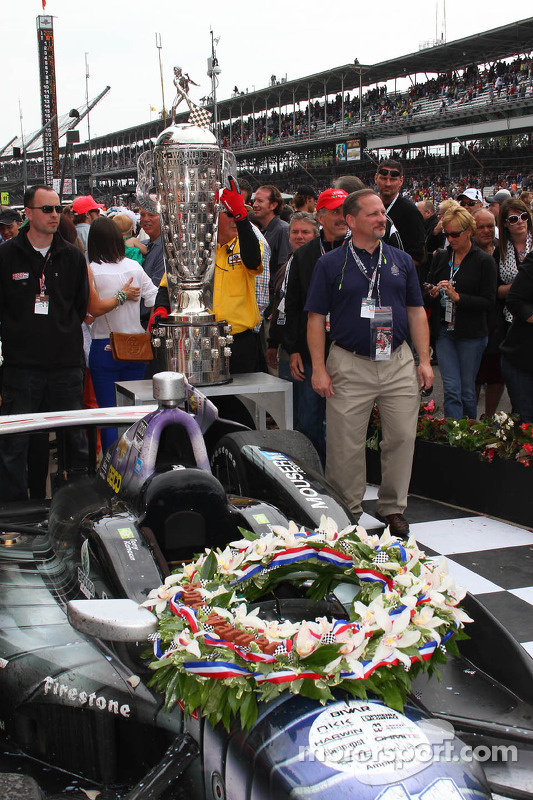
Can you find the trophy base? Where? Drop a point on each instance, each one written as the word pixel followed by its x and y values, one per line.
pixel 199 350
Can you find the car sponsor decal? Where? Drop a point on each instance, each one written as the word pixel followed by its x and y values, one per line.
pixel 131 546
pixel 86 584
pixel 296 475
pixel 138 465
pixel 79 697
pixel 114 479
pixel 369 740
pixel 20 276
pixel 3 663
pixel 85 558
pixel 139 434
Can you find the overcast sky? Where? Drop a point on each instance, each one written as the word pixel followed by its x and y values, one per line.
pixel 257 39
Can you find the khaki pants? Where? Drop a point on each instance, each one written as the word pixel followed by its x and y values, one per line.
pixel 358 383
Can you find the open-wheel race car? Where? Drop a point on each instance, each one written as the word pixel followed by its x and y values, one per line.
pixel 76 670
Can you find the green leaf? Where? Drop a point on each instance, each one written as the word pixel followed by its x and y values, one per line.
pixel 209 567
pixel 249 535
pixel 321 657
pixel 310 689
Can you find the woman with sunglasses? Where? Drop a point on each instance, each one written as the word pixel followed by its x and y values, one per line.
pixel 516 241
pixel 461 290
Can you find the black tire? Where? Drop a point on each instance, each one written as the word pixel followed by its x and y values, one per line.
pixel 229 466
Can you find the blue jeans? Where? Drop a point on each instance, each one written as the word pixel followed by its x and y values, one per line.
pixel 459 361
pixel 284 371
pixel 105 371
pixel 520 387
pixel 312 413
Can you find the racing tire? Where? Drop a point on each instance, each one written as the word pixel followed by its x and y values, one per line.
pixel 229 466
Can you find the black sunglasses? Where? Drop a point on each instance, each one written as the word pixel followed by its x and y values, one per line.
pixel 453 234
pixel 512 219
pixel 394 173
pixel 48 209
pixel 468 203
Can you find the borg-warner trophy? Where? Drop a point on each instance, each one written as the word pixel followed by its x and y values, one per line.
pixel 180 180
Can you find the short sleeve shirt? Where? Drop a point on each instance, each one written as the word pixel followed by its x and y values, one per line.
pixel 338 287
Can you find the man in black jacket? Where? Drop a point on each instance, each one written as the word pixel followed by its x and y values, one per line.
pixel 403 213
pixel 311 407
pixel 44 292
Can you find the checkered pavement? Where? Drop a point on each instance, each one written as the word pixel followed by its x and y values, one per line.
pixel 491 558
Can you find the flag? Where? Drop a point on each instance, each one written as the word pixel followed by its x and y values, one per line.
pixel 151 107
pixel 44 4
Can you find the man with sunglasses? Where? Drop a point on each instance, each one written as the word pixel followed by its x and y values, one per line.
pixel 404 214
pixel 471 199
pixel 44 291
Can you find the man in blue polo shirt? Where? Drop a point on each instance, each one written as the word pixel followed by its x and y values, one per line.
pixel 372 294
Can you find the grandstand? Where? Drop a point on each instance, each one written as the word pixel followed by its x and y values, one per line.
pixel 449 112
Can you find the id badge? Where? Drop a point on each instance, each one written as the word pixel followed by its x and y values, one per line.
pixel 368 308
pixel 41 304
pixel 449 314
pixel 381 334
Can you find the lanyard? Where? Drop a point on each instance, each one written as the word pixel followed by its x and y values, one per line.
pixel 391 205
pixel 42 282
pixel 376 274
pixel 453 269
pixel 283 291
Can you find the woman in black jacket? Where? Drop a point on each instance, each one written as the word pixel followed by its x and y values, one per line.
pixel 517 347
pixel 461 289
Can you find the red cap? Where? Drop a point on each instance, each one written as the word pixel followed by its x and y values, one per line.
pixel 82 205
pixel 331 198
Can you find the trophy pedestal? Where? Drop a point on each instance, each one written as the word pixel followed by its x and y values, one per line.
pixel 199 350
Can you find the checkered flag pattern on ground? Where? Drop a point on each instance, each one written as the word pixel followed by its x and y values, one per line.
pixel 200 117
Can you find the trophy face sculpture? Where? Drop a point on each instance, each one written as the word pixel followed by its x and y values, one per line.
pixel 180 180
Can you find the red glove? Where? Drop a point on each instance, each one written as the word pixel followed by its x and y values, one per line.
pixel 159 314
pixel 233 200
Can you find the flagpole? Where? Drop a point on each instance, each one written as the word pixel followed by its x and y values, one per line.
pixel 160 47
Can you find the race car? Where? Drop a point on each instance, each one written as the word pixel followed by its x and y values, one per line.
pixel 73 653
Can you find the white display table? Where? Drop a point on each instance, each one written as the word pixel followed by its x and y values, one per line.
pixel 259 392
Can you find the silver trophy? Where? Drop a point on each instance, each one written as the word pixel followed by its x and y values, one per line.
pixel 180 180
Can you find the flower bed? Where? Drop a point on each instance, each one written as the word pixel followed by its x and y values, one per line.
pixel 216 655
pixel 477 465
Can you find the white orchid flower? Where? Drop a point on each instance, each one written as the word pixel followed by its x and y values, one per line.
pixel 307 640
pixel 250 620
pixel 262 547
pixel 186 642
pixel 280 630
pixel 161 596
pixel 228 561
pixel 289 536
pixel 391 644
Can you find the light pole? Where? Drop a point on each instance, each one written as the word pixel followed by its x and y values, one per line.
pixel 360 68
pixel 478 162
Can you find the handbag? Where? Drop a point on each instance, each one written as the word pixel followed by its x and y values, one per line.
pixel 131 346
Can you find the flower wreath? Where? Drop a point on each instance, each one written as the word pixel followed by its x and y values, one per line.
pixel 216 656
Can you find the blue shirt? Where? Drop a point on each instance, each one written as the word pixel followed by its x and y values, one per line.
pixel 338 286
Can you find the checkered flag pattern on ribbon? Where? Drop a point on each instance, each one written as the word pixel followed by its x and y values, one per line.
pixel 200 117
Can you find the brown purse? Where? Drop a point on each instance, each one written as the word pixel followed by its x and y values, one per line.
pixel 131 346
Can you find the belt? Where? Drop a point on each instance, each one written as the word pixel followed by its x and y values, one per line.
pixel 350 350
pixel 355 353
